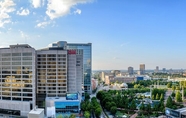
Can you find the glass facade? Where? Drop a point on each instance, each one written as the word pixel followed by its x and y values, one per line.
pixel 87 63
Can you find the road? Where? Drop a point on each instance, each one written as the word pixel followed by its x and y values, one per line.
pixel 99 88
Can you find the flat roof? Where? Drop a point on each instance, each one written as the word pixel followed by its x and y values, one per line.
pixel 181 110
pixel 37 111
pixel 59 99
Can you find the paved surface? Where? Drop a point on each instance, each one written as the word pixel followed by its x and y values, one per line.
pixel 134 115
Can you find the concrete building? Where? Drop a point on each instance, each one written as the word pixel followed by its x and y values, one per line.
pixel 103 76
pixel 36 113
pixel 87 60
pixel 94 84
pixel 130 70
pixel 142 69
pixel 18 78
pixel 115 72
pixel 178 113
pixel 63 105
pixel 108 78
pixel 121 79
pixel 75 71
pixel 51 74
pixel 60 72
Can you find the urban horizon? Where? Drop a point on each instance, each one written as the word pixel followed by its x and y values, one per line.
pixel 149 32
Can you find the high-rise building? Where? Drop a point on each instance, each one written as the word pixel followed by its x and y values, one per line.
pixel 87 63
pixel 87 60
pixel 130 70
pixel 103 76
pixel 157 69
pixel 60 71
pixel 51 74
pixel 18 78
pixel 142 69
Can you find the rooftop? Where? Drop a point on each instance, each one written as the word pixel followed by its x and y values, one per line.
pixel 36 111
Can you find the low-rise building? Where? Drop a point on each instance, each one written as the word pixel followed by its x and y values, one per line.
pixel 120 80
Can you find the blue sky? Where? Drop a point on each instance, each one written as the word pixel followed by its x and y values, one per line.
pixel 122 32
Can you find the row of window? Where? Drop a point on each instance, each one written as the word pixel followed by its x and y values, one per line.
pixel 16 58
pixel 50 55
pixel 16 63
pixel 16 54
pixel 52 77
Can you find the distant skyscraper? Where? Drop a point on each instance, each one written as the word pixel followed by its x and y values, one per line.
pixel 157 69
pixel 130 70
pixel 142 69
pixel 164 69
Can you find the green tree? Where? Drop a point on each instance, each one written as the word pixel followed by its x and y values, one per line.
pixel 173 94
pixel 173 87
pixel 161 106
pixel 142 107
pixel 157 96
pixel 98 112
pixel 107 106
pixel 177 88
pixel 72 116
pixel 178 97
pixel 162 97
pixel 169 102
pixel 113 110
pixel 60 116
pixel 133 105
pixel 87 114
pixel 148 108
pixel 169 85
pixel 87 96
pixel 153 97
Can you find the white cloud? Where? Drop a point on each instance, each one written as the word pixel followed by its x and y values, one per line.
pixel 58 8
pixel 43 24
pixel 6 7
pixel 36 3
pixel 78 11
pixel 23 35
pixel 24 12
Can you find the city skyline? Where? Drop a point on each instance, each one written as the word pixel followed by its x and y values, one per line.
pixel 122 33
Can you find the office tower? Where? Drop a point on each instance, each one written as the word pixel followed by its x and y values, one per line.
pixel 157 69
pixel 87 63
pixel 17 75
pixel 75 71
pixel 51 74
pixel 60 71
pixel 87 60
pixel 130 70
pixel 142 69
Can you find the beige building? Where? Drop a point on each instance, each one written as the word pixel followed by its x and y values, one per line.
pixel 108 78
pixel 120 80
pixel 142 69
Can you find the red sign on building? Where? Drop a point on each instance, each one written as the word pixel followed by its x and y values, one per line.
pixel 71 51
